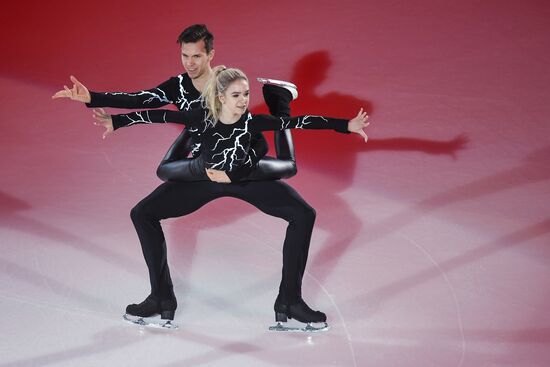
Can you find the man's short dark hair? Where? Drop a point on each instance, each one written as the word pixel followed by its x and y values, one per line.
pixel 195 33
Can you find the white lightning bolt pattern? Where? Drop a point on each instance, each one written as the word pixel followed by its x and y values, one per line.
pixel 140 119
pixel 197 130
pixel 230 154
pixel 301 122
pixel 251 153
pixel 163 98
pixel 183 103
pixel 195 149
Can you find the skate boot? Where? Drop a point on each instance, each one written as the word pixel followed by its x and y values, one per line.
pixel 281 83
pixel 141 314
pixel 302 314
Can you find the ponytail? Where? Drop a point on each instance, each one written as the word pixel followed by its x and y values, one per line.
pixel 221 78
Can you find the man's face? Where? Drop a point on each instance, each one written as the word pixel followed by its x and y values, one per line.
pixel 194 58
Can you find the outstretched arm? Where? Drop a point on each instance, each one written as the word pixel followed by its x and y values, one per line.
pixel 355 125
pixel 113 122
pixel 149 98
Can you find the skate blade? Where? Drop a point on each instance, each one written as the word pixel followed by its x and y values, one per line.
pixel 279 83
pixel 308 328
pixel 292 88
pixel 152 323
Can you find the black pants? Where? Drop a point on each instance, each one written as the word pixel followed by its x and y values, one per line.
pixel 176 199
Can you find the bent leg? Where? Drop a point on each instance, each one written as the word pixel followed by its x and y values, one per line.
pixel 278 199
pixel 278 101
pixel 175 166
pixel 169 200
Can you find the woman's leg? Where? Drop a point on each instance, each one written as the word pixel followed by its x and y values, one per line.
pixel 278 101
pixel 176 166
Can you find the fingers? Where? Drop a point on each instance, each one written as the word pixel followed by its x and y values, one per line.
pixel 60 94
pixel 72 93
pixel 363 134
pixel 74 80
pixel 78 86
pixel 65 93
pixel 362 115
pixel 100 113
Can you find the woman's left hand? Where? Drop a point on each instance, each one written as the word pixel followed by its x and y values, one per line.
pixel 358 123
pixel 103 119
pixel 217 176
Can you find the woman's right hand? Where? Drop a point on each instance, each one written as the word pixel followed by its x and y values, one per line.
pixel 217 176
pixel 103 119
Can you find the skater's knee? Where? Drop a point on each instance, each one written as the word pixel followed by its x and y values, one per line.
pixel 138 212
pixel 310 213
pixel 304 214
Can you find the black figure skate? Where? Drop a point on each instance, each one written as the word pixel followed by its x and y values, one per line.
pixel 146 313
pixel 306 319
pixel 282 84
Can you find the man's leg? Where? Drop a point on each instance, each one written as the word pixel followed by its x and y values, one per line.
pixel 278 199
pixel 169 200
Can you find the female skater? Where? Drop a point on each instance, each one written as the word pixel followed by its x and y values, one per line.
pixel 226 127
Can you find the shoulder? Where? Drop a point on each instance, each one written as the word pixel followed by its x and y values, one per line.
pixel 185 81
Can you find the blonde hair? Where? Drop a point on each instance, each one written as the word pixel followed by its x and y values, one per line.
pixel 221 78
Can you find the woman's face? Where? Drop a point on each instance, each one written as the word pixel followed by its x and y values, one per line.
pixel 235 98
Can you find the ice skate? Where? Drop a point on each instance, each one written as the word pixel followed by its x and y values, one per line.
pixel 304 318
pixel 281 83
pixel 147 313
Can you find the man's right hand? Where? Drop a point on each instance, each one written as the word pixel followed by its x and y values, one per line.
pixel 77 93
